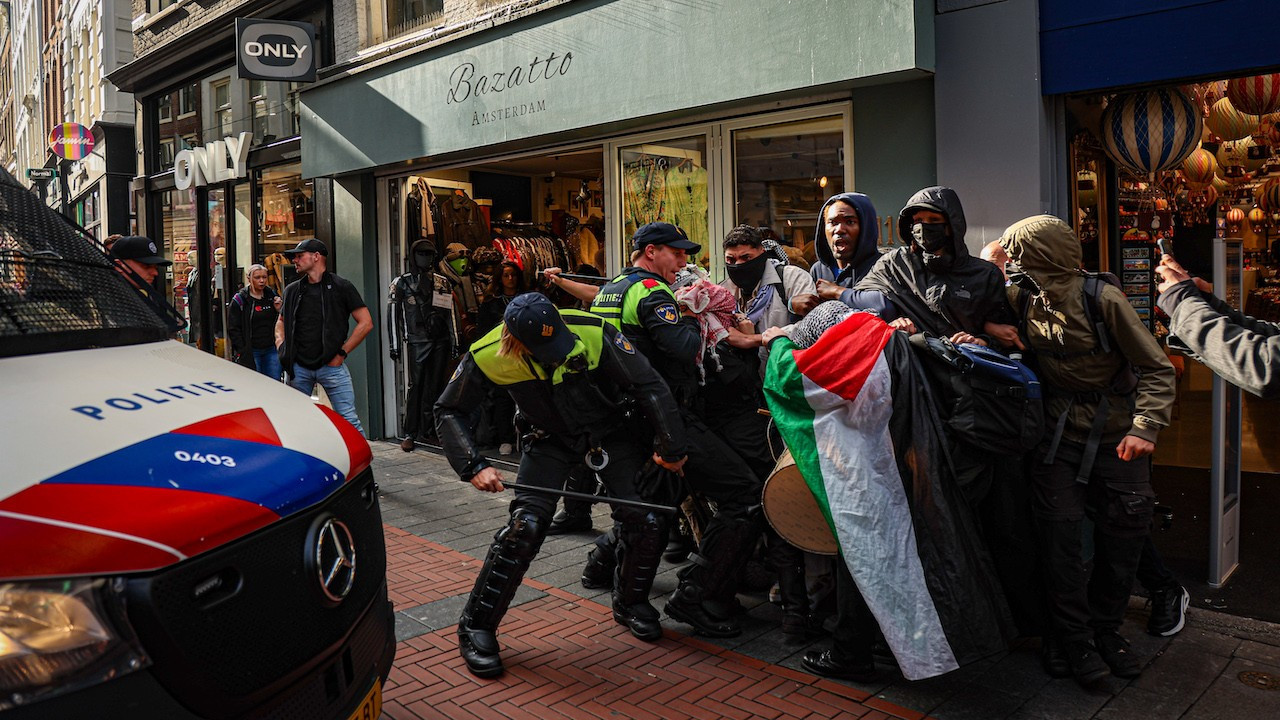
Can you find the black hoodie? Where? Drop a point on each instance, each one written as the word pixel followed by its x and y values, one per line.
pixel 962 297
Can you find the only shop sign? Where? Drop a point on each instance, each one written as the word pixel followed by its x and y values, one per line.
pixel 71 141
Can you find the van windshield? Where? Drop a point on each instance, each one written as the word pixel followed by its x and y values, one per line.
pixel 58 289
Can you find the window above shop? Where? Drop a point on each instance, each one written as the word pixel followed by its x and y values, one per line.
pixel 405 16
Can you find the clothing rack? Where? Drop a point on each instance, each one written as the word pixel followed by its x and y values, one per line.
pixel 533 247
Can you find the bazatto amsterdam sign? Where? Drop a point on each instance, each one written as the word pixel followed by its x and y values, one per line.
pixel 275 50
pixel 506 85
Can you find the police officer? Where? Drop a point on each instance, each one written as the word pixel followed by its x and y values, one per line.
pixel 567 371
pixel 640 303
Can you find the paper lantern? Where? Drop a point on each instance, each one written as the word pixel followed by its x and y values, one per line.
pixel 1257 218
pixel 1235 216
pixel 1198 167
pixel 1219 185
pixel 1229 123
pixel 1268 196
pixel 1256 95
pixel 1151 130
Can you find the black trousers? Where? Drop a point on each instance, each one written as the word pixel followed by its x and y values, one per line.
pixel 427 365
pixel 1119 499
pixel 547 463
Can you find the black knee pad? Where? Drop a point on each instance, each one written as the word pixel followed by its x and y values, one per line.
pixel 523 534
pixel 646 520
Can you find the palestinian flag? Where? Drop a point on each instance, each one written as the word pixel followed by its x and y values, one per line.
pixel 857 418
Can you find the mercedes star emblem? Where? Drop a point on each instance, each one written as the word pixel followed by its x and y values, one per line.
pixel 335 555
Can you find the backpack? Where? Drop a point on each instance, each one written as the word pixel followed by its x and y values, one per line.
pixel 1124 382
pixel 990 401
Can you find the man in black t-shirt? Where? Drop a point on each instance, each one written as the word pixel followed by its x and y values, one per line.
pixel 311 334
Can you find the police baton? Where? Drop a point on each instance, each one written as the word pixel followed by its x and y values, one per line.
pixel 585 278
pixel 586 497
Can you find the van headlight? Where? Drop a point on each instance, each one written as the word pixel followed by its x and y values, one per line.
pixel 62 635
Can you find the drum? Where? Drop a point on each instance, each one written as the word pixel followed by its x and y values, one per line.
pixel 791 509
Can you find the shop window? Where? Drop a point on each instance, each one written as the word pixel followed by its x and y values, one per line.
pixel 166 153
pixel 87 213
pixel 407 15
pixel 784 172
pixel 222 107
pixel 259 111
pixel 164 108
pixel 187 101
pixel 178 230
pixel 667 181
pixel 286 216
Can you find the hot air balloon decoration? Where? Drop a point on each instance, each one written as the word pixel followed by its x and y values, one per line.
pixel 1151 130
pixel 1229 123
pixel 1198 168
pixel 1235 218
pixel 1268 196
pixel 1256 95
pixel 1257 220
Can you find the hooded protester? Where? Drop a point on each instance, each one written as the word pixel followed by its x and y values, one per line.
pixel 934 282
pixel 846 242
pixel 1111 393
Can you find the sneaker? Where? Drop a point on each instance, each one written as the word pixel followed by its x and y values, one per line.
pixel 1168 611
pixel 1086 665
pixel 1115 652
pixel 506 449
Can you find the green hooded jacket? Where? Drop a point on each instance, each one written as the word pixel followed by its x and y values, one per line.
pixel 1057 330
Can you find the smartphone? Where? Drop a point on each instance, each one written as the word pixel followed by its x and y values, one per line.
pixel 1164 249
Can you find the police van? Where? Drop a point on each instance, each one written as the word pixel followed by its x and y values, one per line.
pixel 180 537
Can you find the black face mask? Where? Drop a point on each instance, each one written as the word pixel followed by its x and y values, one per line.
pixel 746 275
pixel 930 237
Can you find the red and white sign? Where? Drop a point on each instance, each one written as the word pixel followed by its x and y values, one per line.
pixel 72 141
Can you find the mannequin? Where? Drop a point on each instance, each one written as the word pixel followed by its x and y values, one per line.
pixel 422 325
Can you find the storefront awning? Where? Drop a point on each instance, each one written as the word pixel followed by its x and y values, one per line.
pixel 589 64
pixel 1088 45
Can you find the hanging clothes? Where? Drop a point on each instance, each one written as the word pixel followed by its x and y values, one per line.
pixel 644 185
pixel 686 201
pixel 462 221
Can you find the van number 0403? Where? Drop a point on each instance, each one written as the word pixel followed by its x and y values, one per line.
pixel 223 460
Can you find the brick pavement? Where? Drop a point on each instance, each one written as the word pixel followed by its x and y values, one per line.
pixel 566 658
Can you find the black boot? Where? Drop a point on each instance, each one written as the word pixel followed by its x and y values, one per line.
pixel 788 562
pixel 514 547
pixel 564 522
pixel 576 515
pixel 641 539
pixel 711 576
pixel 597 574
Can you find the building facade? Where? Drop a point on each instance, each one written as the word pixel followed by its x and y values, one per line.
pixel 189 97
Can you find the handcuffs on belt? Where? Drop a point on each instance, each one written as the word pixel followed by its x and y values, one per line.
pixel 596 458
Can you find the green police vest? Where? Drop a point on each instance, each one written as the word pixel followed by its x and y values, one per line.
pixel 617 304
pixel 509 370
